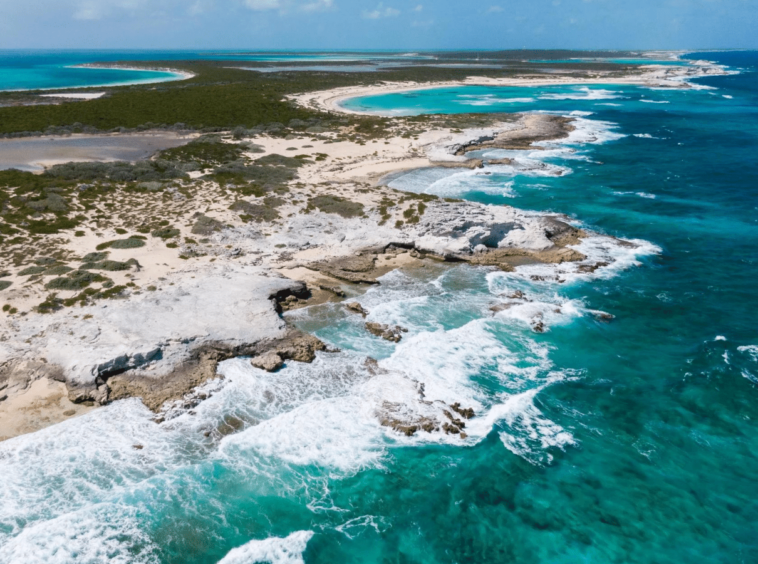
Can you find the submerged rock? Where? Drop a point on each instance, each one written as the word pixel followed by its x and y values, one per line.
pixel 355 307
pixel 332 289
pixel 393 334
pixel 269 362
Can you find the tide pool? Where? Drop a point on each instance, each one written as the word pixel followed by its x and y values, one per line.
pixel 630 440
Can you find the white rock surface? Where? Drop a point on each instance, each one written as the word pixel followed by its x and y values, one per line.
pixel 154 330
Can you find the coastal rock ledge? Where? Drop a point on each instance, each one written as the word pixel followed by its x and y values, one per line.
pixel 157 346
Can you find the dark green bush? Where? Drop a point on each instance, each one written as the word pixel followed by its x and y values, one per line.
pixel 130 243
pixel 166 233
pixel 207 151
pixel 57 270
pixel 254 212
pixel 32 270
pixel 279 160
pixel 205 225
pixel 335 204
pixel 95 257
pixel 76 280
pixel 141 171
pixel 109 265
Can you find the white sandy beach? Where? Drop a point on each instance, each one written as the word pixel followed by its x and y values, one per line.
pixel 656 76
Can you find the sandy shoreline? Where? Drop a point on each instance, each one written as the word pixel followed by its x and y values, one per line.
pixel 657 76
pixel 178 76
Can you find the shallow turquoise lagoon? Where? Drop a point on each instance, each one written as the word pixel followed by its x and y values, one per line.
pixel 41 69
pixel 626 441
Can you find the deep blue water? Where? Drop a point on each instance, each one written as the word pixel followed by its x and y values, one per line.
pixel 629 441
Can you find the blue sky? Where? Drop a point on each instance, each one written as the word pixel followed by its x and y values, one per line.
pixel 372 24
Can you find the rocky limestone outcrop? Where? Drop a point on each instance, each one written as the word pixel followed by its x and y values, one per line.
pixel 355 307
pixel 157 346
pixel 389 333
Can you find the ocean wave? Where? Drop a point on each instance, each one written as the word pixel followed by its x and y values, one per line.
pixel 497 179
pixel 646 195
pixel 491 100
pixel 584 93
pixel 82 461
pixel 273 550
pixel 532 436
pixel 92 535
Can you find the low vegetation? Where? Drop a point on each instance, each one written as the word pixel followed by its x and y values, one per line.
pixel 337 205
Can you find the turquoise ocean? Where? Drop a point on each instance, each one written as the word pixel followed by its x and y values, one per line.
pixel 634 440
pixel 56 69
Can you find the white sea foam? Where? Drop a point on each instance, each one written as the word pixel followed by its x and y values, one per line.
pixel 84 460
pixel 354 527
pixel 616 255
pixel 655 101
pixel 491 100
pixel 447 182
pixel 727 96
pixel 646 195
pixel 583 93
pixel 92 535
pixel 645 136
pixel 530 435
pixel 752 350
pixel 273 550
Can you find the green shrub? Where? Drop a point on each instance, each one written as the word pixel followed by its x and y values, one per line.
pixel 4 284
pixel 118 171
pixel 335 204
pixel 53 202
pixel 57 270
pixel 166 233
pixel 130 243
pixel 205 225
pixel 76 280
pixel 32 270
pixel 240 174
pixel 279 160
pixel 108 265
pixel 207 151
pixel 52 303
pixel 254 212
pixel 95 257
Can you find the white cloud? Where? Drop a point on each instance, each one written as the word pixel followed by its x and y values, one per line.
pixel 99 9
pixel 381 12
pixel 317 5
pixel 261 5
pixel 198 7
pixel 495 9
pixel 418 8
pixel 289 5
